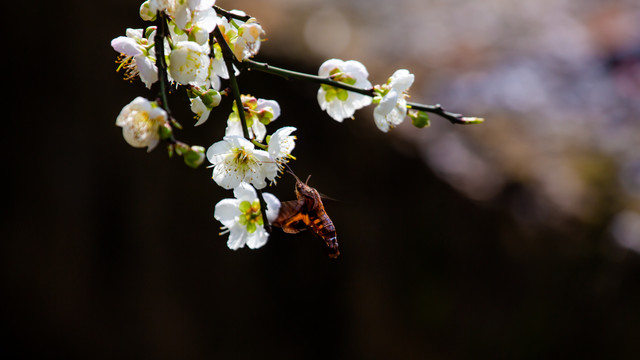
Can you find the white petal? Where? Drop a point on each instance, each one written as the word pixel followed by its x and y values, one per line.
pixel 401 80
pixel 134 33
pixel 200 109
pixel 237 237
pixel 355 69
pixel 322 99
pixel 200 5
pixel 227 177
pixel 329 65
pixel 218 151
pixel 257 239
pixel 273 206
pixel 281 143
pixel 262 104
pixel 259 130
pixel 388 102
pixel 126 45
pixel 234 128
pixel 239 141
pixel 339 110
pixel 245 192
pixel 147 70
pixel 358 101
pixel 226 211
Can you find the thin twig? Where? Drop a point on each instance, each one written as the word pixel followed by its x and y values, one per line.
pixel 229 57
pixel 290 74
pixel 230 15
pixel 161 64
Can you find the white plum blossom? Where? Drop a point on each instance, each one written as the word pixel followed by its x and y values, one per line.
pixel 242 217
pixel 249 38
pixel 235 160
pixel 140 121
pixel 202 24
pixel 281 144
pixel 189 63
pixel 137 56
pixel 188 12
pixel 244 38
pixel 258 113
pixel 339 103
pixel 391 99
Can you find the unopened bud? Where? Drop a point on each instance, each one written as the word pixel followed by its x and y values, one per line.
pixel 472 120
pixel 194 156
pixel 211 98
pixel 165 131
pixel 419 119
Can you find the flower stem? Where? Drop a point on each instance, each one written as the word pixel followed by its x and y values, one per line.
pixel 263 209
pixel 230 15
pixel 161 64
pixel 438 110
pixel 229 58
pixel 289 74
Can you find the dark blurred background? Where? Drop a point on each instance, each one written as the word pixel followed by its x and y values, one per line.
pixel 517 238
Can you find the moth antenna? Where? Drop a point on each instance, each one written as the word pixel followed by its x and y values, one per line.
pixel 308 177
pixel 291 171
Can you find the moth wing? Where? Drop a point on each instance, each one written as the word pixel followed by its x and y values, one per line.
pixel 290 218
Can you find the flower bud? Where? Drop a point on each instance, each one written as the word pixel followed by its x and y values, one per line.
pixel 194 156
pixel 165 131
pixel 146 13
pixel 472 120
pixel 211 98
pixel 419 119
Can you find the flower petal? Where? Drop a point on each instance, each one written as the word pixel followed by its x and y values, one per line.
pixel 245 192
pixel 126 45
pixel 273 206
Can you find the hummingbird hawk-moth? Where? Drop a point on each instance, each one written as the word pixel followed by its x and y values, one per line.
pixel 307 212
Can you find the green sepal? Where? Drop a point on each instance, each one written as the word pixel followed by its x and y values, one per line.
pixel 149 30
pixel 165 131
pixel 211 98
pixel 265 116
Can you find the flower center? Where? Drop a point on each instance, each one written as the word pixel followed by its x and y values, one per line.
pixel 250 215
pixel 242 158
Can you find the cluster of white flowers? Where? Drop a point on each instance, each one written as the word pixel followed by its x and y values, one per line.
pixel 196 62
pixel 340 104
pixel 194 45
